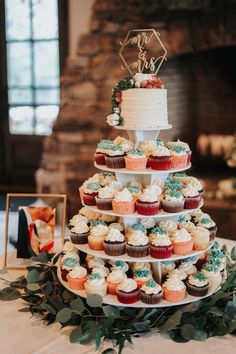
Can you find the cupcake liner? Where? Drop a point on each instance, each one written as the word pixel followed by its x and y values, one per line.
pixel 192 202
pixel 103 203
pixel 213 232
pixel 96 243
pixel 128 298
pixel 159 162
pixel 137 251
pixel 172 206
pixel 200 246
pixel 76 283
pixel 160 251
pixel 183 248
pixel 111 288
pixel 99 158
pixel 123 207
pixel 79 239
pixel 151 299
pixel 173 295
pixel 89 199
pixel 64 273
pixel 135 164
pixel 189 154
pixel 147 208
pixel 115 161
pixel 114 249
pixel 179 161
pixel 197 291
pixel 81 190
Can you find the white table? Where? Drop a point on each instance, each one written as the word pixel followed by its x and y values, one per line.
pixel 20 333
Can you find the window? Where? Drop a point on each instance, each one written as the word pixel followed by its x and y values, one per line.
pixel 32 41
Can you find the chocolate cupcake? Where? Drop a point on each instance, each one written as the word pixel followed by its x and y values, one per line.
pixel 172 202
pixel 137 242
pixel 115 157
pixel 114 243
pixel 151 292
pixel 197 284
pixel 104 198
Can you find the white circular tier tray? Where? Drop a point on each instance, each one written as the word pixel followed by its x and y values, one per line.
pixel 101 254
pixel 148 171
pixel 164 127
pixel 112 300
pixel 161 215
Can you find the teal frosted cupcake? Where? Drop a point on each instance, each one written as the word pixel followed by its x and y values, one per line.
pixel 135 160
pixel 151 292
pixel 197 284
pixel 102 148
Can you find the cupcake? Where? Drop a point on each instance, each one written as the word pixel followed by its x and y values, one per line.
pixel 76 219
pixel 211 269
pixel 160 159
pixel 135 189
pixel 68 262
pixel 149 223
pixel 117 226
pixel 142 276
pixel 115 186
pixel 151 292
pixel 140 266
pixel 114 278
pixel 96 284
pixel 208 224
pixel 172 202
pixel 178 273
pixel 191 197
pixel 148 147
pixel 126 144
pixel 160 243
pixel 90 192
pixel 182 220
pixel 106 178
pixel 201 238
pixel 182 242
pixel 179 157
pixel 173 185
pixel 93 262
pixel 119 265
pixel 97 237
pixel 184 145
pixel 102 270
pixel 114 243
pixel 174 290
pixel 79 233
pixel 104 198
pixel 77 277
pixel 148 202
pixel 102 148
pixel 123 202
pixel 135 160
pixel 68 247
pixel 187 267
pixel 115 157
pixel 137 242
pixel 167 267
pixel 128 291
pixel 189 226
pixel 169 225
pixel 197 284
pixel 196 184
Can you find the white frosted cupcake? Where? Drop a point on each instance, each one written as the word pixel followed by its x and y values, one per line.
pixel 188 268
pixel 123 202
pixel 104 198
pixel 201 238
pixel 114 279
pixel 114 243
pixel 174 290
pixel 77 277
pixel 151 292
pixel 182 242
pixel 170 226
pixel 137 242
pixel 97 237
pixel 96 284
pixel 128 291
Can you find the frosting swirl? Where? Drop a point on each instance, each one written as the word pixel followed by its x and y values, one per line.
pixel 169 225
pixel 174 283
pixel 138 239
pixel 181 235
pixel 160 240
pixel 148 146
pixel 99 230
pixel 114 235
pixel 78 272
pixel 178 273
pixel 127 285
pixel 95 279
pixel 123 196
pixel 121 265
pixel 142 275
pixel 160 151
pixel 190 191
pixel 200 234
pixel 150 194
pixel 116 276
pixel 80 228
pixel 117 226
pixel 103 271
pixel 106 192
pixel 188 268
pixel 93 262
pixel 136 154
pixel 198 279
pixel 141 266
pixel 151 288
pixel 148 222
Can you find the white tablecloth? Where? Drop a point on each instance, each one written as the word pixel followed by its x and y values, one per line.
pixel 20 333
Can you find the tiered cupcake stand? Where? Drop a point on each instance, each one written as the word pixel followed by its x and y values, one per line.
pixel 144 177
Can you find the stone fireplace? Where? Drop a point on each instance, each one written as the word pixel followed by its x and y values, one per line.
pixel 200 38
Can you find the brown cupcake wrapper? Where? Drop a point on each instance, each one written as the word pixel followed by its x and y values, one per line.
pixel 151 299
pixel 79 239
pixel 197 291
pixel 115 249
pixel 137 251
pixel 172 206
pixel 103 203
pixel 115 161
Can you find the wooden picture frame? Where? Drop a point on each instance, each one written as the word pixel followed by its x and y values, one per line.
pixel 11 259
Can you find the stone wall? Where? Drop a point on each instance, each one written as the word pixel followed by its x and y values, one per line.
pixel 186 27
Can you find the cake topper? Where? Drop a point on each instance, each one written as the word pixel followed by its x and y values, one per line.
pixel 142 51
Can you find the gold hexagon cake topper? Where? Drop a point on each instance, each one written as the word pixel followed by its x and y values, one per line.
pixel 142 51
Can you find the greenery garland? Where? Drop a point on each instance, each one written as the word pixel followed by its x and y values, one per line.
pixel 44 295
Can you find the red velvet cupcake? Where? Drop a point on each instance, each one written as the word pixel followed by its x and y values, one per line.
pixel 128 291
pixel 148 202
pixel 160 243
pixel 160 159
pixel 102 148
pixel 90 193
pixel 191 197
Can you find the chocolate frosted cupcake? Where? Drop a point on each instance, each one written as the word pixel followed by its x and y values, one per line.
pixel 197 284
pixel 128 291
pixel 115 157
pixel 151 292
pixel 114 243
pixel 137 243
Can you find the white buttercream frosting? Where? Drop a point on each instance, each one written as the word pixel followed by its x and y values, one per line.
pixel 160 240
pixel 69 247
pixel 95 279
pixel 80 228
pixel 189 226
pixel 148 222
pixel 138 239
pixel 148 146
pixel 114 235
pixel 78 272
pixel 106 192
pixel 190 191
pixel 116 276
pixel 115 185
pixel 195 281
pixel 169 225
pixel 161 151
pixel 144 108
pixel 200 234
pixel 188 268
pixel 151 288
pixel 123 196
pixel 127 285
pixel 174 283
pixel 181 235
pixel 103 271
pixel 99 230
pixel 89 214
pixel 117 226
pixel 76 219
pixel 178 273
pixel 93 262
pixel 150 194
pixel 141 266
pixel 125 143
pixel 121 265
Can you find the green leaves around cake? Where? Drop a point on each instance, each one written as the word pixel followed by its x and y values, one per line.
pixel 94 300
pixel 9 294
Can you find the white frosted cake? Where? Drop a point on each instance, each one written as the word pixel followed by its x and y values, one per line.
pixel 144 108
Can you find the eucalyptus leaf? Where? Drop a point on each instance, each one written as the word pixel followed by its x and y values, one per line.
pixel 111 311
pixel 49 308
pixel 200 335
pixel 172 322
pixel 33 286
pixel 141 326
pixel 33 276
pixel 77 304
pixel 187 331
pixel 94 300
pixel 75 334
pixel 64 315
pixel 98 337
pixel 233 253
pixel 150 314
pixel 41 258
pixel 9 294
pixel 108 351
